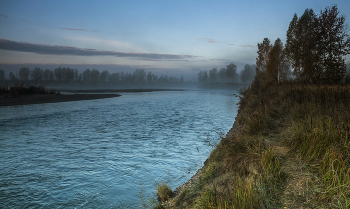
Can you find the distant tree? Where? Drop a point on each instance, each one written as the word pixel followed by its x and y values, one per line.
pixel 23 74
pixel 37 74
pixel 182 79
pixel 166 79
pixel 76 75
pixel 69 74
pixel 104 76
pixel 213 75
pixel 46 74
pixel 139 75
pixel 2 75
pixel 149 77
pixel 203 77
pixel 128 78
pixel 231 72
pixel 80 77
pixel 95 75
pixel 87 75
pixel 12 76
pixel 263 55
pixel 222 75
pixel 154 78
pixel 59 74
pixel 114 78
pixel 248 73
pixel 51 76
pixel 122 76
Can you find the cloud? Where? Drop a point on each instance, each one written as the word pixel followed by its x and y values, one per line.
pixel 79 29
pixel 107 44
pixel 68 50
pixel 248 45
pixel 3 16
pixel 208 40
pixel 242 45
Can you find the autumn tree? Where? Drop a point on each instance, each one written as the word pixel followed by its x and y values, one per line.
pixel 316 45
pixel 333 43
pixel 274 61
pixel 263 55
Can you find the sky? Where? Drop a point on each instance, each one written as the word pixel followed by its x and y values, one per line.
pixel 165 37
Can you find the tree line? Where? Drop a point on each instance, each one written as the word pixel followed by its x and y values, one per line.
pixel 315 48
pixel 227 75
pixel 88 76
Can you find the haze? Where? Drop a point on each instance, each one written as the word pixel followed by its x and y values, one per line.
pixel 163 37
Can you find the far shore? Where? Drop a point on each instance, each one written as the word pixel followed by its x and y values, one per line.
pixel 89 91
pixel 49 98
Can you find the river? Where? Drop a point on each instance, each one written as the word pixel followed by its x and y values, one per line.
pixel 107 153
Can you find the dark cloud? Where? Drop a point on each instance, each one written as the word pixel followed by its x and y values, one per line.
pixel 67 50
pixel 79 29
pixel 209 40
pixel 3 16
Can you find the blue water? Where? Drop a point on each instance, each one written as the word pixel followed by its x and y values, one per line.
pixel 107 153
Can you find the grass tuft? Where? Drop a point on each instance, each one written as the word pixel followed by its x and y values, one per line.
pixel 164 192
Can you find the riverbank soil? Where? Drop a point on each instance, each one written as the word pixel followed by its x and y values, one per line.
pixel 289 148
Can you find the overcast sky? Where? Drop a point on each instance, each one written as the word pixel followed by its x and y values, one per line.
pixel 170 37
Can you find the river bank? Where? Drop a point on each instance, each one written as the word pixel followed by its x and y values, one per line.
pixel 233 132
pixel 49 98
pixel 287 148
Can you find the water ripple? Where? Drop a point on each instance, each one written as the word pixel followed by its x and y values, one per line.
pixel 102 153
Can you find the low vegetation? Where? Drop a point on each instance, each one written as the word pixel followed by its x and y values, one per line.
pixel 294 147
pixel 21 89
pixel 283 125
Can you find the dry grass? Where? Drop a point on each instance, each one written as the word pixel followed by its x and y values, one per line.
pixel 293 152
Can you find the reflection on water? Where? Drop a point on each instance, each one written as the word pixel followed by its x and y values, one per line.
pixel 101 153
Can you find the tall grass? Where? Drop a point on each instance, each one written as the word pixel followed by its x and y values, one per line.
pixel 322 136
pixel 246 173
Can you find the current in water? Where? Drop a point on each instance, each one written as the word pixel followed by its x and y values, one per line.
pixel 107 153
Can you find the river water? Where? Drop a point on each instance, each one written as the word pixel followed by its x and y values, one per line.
pixel 107 153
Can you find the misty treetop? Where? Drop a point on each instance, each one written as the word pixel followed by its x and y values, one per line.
pixel 67 75
pixel 315 50
pixel 227 75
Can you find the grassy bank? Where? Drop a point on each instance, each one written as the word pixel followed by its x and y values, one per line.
pixel 293 151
